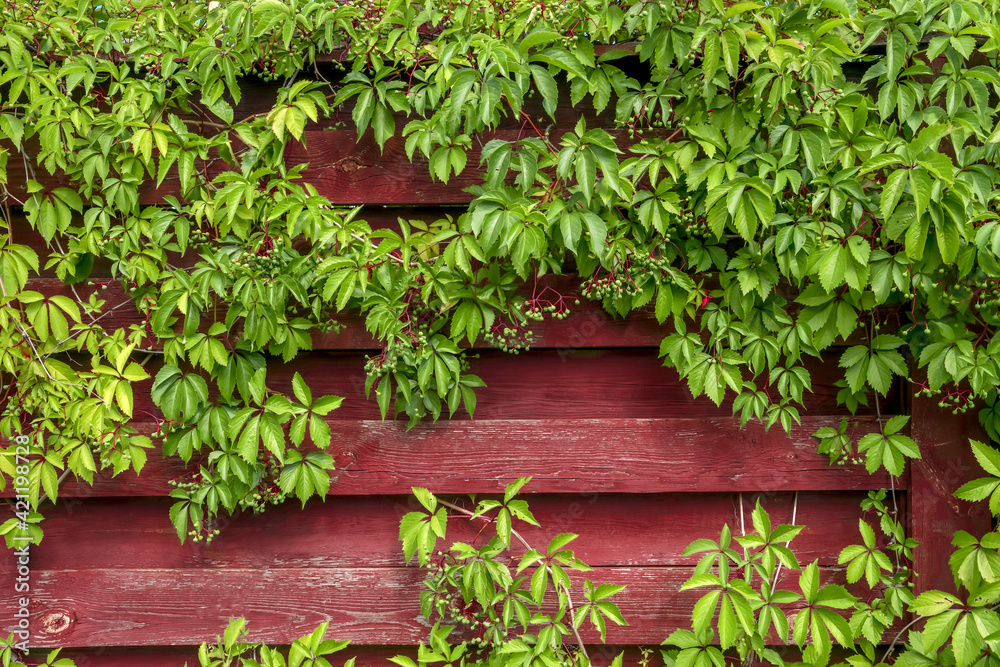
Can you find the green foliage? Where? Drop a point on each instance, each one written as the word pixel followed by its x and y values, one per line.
pixel 745 611
pixel 312 650
pixel 770 199
pixel 505 607
pixel 784 180
pixel 984 487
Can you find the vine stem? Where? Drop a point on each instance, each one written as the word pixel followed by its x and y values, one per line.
pixel 795 509
pixel 569 600
pixel 899 634
pixel 62 477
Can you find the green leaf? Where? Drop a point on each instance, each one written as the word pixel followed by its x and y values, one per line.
pixel 891 192
pixel 987 457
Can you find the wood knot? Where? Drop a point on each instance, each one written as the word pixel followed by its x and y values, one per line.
pixel 349 164
pixel 56 622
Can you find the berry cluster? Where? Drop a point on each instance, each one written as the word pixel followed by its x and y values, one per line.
pixel 847 456
pixel 13 420
pixel 688 225
pixel 400 352
pixel 200 237
pixel 486 629
pixel 512 339
pixel 101 245
pixel 266 67
pixel 988 296
pixel 270 263
pixel 267 492
pixel 203 529
pixel 617 284
pixel 535 310
pixel 958 400
pixel 153 64
pixel 12 410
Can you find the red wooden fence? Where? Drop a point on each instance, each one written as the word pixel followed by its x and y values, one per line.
pixel 619 451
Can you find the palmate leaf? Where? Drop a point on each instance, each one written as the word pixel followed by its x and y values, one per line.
pixel 306 475
pixel 984 487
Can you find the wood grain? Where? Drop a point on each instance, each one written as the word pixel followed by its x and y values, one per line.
pixel 556 384
pixel 563 456
pixel 357 531
pixel 157 607
pixel 935 513
pixel 348 170
pixel 601 655
pixel 587 326
pixel 551 384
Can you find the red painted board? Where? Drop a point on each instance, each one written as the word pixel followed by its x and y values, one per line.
pixel 367 605
pixel 544 384
pixel 349 172
pixel 362 531
pixel 601 655
pixel 563 456
pixel 587 326
pixel 936 514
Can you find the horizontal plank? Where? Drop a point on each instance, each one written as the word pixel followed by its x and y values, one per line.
pixel 348 171
pixel 601 655
pixel 588 325
pixel 356 531
pixel 365 656
pixel 138 607
pixel 352 171
pixel 556 384
pixel 377 217
pixel 562 456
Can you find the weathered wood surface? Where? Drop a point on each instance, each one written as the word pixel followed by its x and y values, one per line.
pixel 355 531
pixel 935 514
pixel 601 655
pixel 562 456
pixel 369 605
pixel 347 170
pixel 587 326
pixel 556 384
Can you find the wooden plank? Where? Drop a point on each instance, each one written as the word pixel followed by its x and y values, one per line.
pixel 553 384
pixel 377 217
pixel 350 171
pixel 137 607
pixel 587 326
pixel 563 456
pixel 601 655
pixel 556 384
pixel 360 531
pixel 947 462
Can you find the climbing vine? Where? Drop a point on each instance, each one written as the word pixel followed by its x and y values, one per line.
pixel 777 181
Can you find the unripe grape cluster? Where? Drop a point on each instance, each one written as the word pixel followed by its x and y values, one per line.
pixel 512 339
pixel 270 263
pixel 400 353
pixel 487 630
pixel 199 237
pixel 536 311
pixel 988 296
pixel 265 68
pixel 958 401
pixel 267 492
pixel 688 225
pixel 12 410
